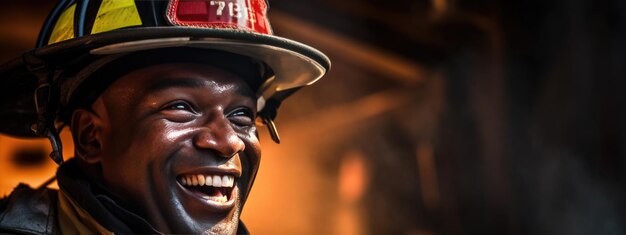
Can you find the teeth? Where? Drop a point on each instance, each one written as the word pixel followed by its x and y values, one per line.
pixel 231 181
pixel 201 180
pixel 208 180
pixel 221 199
pixel 225 181
pixel 217 181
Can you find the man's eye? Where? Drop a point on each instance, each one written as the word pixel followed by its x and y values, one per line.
pixel 179 106
pixel 178 111
pixel 242 117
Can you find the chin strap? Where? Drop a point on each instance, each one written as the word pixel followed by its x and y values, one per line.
pixel 272 128
pixel 267 116
pixel 45 104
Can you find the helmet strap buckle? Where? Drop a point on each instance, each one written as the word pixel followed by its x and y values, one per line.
pixel 45 105
pixel 272 129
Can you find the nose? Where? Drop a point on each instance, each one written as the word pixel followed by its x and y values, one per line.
pixel 220 138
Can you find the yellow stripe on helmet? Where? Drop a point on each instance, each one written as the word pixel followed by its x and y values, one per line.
pixel 64 28
pixel 115 14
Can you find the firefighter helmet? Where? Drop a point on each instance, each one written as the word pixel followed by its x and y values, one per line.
pixel 79 32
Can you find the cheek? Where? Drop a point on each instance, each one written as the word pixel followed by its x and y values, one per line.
pixel 140 166
pixel 252 157
pixel 142 147
pixel 253 146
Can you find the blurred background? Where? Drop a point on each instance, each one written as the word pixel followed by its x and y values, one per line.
pixel 438 117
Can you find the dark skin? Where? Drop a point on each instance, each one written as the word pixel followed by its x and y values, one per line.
pixel 156 127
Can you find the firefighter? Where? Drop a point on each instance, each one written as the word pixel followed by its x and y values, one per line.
pixel 163 99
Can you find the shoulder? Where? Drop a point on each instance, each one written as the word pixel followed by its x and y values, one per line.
pixel 28 211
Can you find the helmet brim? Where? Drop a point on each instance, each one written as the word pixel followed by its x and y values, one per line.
pixel 294 64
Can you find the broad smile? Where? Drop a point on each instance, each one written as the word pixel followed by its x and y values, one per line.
pixel 216 190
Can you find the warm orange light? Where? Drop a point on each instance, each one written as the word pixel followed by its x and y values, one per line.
pixel 353 177
pixel 12 174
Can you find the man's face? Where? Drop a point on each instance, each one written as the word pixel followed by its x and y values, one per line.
pixel 170 128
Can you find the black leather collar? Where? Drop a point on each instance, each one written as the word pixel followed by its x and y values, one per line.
pixel 29 211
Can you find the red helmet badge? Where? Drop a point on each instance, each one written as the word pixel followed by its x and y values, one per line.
pixel 246 15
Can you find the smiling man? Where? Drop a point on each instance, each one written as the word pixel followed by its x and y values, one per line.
pixel 163 100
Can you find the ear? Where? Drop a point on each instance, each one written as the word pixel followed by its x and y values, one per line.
pixel 87 133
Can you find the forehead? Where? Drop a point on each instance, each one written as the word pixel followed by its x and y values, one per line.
pixel 160 77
